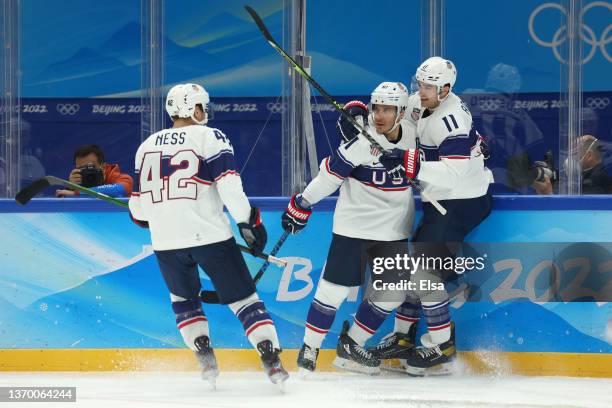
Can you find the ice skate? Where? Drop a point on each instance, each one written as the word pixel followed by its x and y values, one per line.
pixel 272 363
pixel 395 345
pixel 436 360
pixel 353 357
pixel 307 360
pixel 206 359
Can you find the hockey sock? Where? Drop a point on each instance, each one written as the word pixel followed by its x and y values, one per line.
pixel 438 320
pixel 406 315
pixel 255 319
pixel 190 320
pixel 368 319
pixel 322 312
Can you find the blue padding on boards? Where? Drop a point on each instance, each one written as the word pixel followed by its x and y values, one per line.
pixel 500 202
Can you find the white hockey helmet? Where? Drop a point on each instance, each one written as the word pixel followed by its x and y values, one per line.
pixel 393 94
pixel 437 71
pixel 182 100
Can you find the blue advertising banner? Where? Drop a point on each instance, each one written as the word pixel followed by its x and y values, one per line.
pixel 89 279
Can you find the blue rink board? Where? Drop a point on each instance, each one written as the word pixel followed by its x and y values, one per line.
pixel 78 274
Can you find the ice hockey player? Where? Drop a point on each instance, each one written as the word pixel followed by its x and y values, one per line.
pixel 372 209
pixel 186 174
pixel 448 162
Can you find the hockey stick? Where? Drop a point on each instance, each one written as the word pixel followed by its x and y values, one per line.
pixel 28 192
pixel 210 296
pixel 264 30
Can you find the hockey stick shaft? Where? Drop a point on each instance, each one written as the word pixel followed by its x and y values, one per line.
pixel 264 30
pixel 210 296
pixel 27 193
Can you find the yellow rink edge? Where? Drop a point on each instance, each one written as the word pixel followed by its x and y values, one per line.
pixel 479 362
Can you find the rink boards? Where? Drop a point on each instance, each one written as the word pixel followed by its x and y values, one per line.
pixel 81 291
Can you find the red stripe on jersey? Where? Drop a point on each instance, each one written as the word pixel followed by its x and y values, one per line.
pixel 316 329
pixel 256 325
pixel 330 171
pixel 226 173
pixel 364 327
pixel 201 181
pixel 406 318
pixel 384 188
pixel 434 328
pixel 191 321
pixel 455 157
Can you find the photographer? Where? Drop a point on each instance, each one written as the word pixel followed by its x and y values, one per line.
pixel 541 175
pixel 91 171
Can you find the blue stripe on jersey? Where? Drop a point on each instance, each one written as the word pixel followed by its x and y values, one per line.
pixel 218 164
pixel 339 165
pixel 431 152
pixel 458 145
pixel 378 177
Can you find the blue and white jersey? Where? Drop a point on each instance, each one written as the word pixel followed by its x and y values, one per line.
pixel 452 165
pixel 184 177
pixel 371 205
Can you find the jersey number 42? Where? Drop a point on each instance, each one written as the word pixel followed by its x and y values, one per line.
pixel 177 184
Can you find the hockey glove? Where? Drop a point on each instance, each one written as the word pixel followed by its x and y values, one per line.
pixel 140 223
pixel 253 232
pixel 296 215
pixel 400 163
pixel 359 111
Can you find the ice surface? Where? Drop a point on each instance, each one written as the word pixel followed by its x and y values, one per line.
pixel 321 390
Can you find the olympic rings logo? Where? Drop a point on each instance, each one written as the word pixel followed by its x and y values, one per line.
pixel 587 34
pixel 67 108
pixel 276 107
pixel 597 103
pixel 489 104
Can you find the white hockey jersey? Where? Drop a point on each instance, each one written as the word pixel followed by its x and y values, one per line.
pixel 452 165
pixel 184 177
pixel 371 205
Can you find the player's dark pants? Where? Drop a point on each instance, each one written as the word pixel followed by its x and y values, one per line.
pixel 462 217
pixel 348 257
pixel 441 235
pixel 221 261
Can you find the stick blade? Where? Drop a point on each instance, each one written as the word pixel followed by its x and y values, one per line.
pixel 27 193
pixel 260 24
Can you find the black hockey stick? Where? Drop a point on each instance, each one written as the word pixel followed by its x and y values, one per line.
pixel 264 30
pixel 28 192
pixel 210 296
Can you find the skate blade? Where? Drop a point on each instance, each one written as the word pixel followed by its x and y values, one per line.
pixel 395 365
pixel 303 373
pixel 279 377
pixel 211 377
pixel 443 369
pixel 348 365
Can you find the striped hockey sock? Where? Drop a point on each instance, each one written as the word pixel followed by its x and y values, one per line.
pixel 368 319
pixel 257 323
pixel 406 314
pixel 438 319
pixel 319 320
pixel 190 320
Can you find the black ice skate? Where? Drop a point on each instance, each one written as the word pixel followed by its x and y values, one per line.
pixel 353 357
pixel 307 358
pixel 395 345
pixel 272 363
pixel 435 360
pixel 206 359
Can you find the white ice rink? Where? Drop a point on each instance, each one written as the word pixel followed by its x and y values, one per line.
pixel 322 390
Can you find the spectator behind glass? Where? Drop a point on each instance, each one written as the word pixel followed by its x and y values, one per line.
pixel 595 179
pixel 91 171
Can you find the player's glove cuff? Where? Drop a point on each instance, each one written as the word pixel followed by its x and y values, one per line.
pixel 297 214
pixel 253 232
